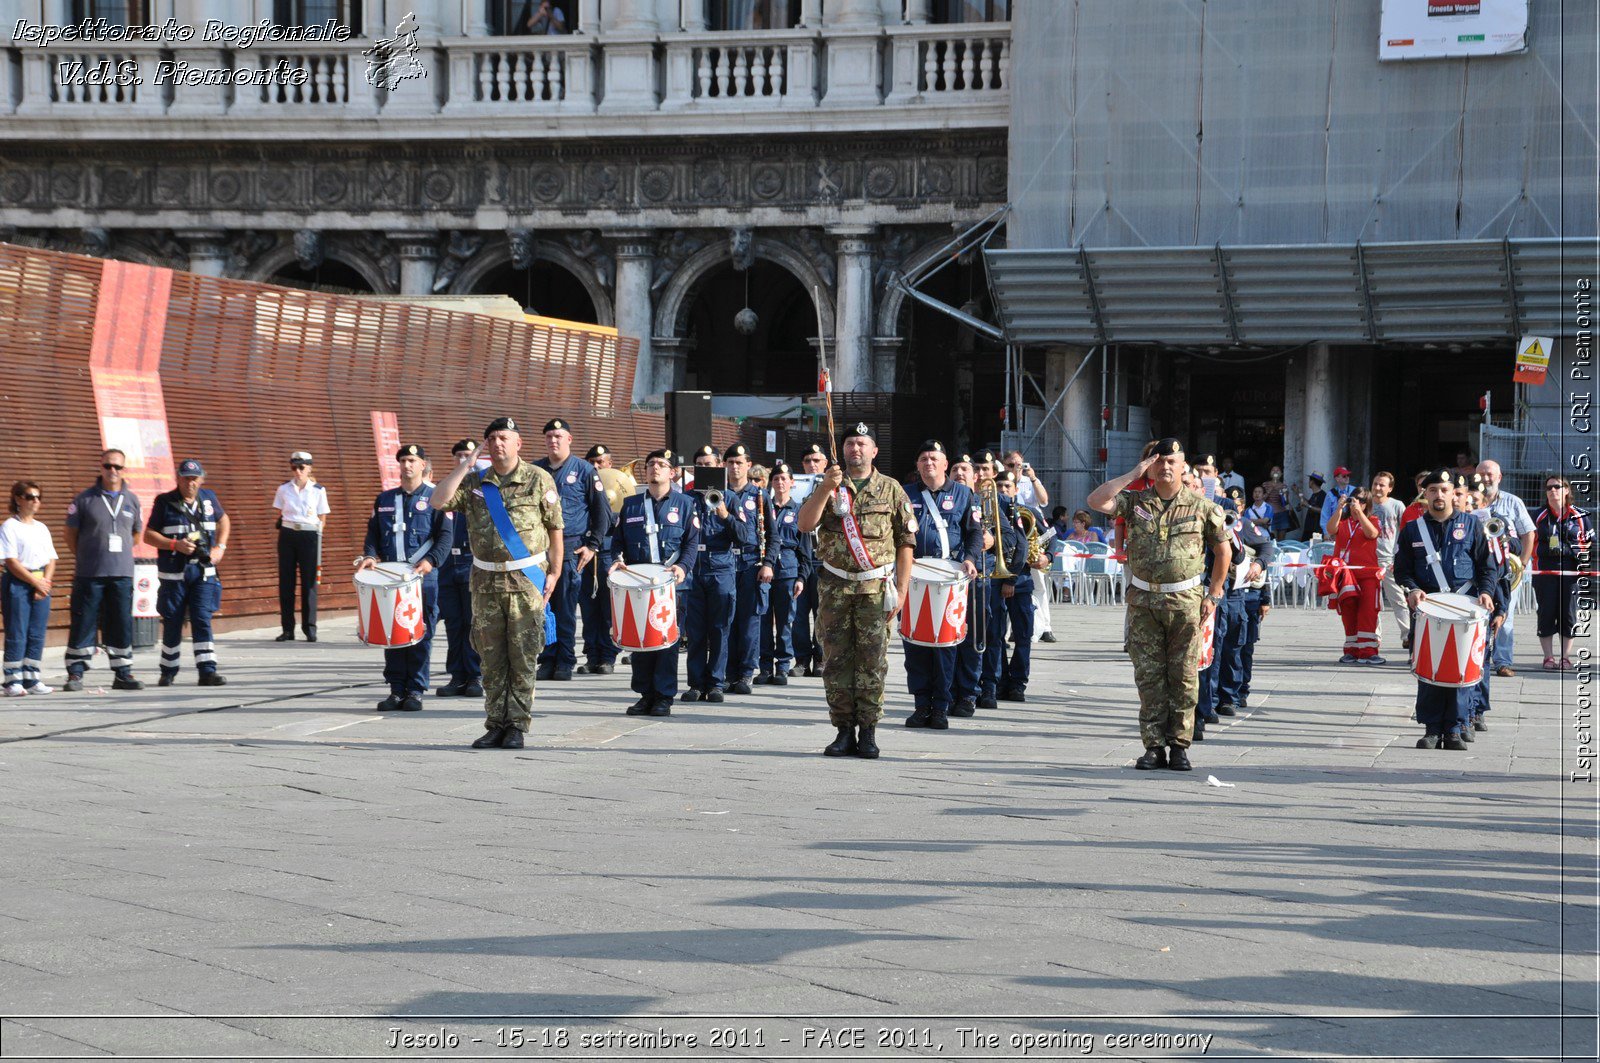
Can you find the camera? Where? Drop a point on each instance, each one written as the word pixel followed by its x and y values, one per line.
pixel 202 546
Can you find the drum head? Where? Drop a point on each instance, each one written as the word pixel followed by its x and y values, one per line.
pixel 639 577
pixel 386 574
pixel 1459 607
pixel 936 570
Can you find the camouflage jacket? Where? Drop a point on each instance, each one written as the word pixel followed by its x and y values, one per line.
pixel 531 501
pixel 1167 540
pixel 884 515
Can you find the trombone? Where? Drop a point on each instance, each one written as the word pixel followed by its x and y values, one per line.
pixel 988 493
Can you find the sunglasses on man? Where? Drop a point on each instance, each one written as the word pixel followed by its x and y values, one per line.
pixel 112 468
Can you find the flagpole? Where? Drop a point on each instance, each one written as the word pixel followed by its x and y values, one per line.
pixel 825 378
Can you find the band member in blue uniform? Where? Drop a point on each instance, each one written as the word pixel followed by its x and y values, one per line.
pixel 659 527
pixel 792 559
pixel 455 605
pixel 709 605
pixel 807 647
pixel 1443 551
pixel 189 530
pixel 1500 552
pixel 405 528
pixel 1017 666
pixel 599 652
pixel 587 520
pixel 980 659
pixel 753 569
pixel 1253 550
pixel 950 528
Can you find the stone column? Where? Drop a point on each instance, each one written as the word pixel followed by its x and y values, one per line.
pixel 692 15
pixel 916 12
pixel 1324 411
pixel 1077 450
pixel 430 17
pixel 633 16
pixel 629 57
pixel 810 13
pixel 854 14
pixel 475 18
pixel 635 313
pixel 208 251
pixel 886 361
pixel 671 356
pixel 852 328
pixel 419 258
pixel 854 54
pixel 588 17
pixel 1294 422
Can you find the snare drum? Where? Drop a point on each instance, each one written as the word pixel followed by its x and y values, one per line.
pixel 935 612
pixel 1208 641
pixel 390 612
pixel 644 608
pixel 1448 639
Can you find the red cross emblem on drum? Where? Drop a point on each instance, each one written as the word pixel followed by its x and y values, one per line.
pixel 644 608
pixel 390 606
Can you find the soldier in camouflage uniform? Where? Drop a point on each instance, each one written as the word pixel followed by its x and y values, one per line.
pixel 1169 526
pixel 853 614
pixel 507 609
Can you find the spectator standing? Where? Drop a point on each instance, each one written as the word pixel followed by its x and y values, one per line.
pixel 1358 582
pixel 27 574
pixel 1030 492
pixel 1340 489
pixel 1519 532
pixel 1280 496
pixel 1228 477
pixel 1386 512
pixel 545 20
pixel 302 506
pixel 103 523
pixel 1260 512
pixel 1311 523
pixel 1565 540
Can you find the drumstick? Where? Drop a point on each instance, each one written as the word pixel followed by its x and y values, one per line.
pixel 1463 610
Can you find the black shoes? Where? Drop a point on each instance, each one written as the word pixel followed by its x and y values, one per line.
pixel 311 636
pixel 287 636
pixel 1014 695
pixel 844 745
pixel 411 703
pixel 919 717
pixel 1047 637
pixel 762 679
pixel 779 679
pixel 449 690
pixel 390 703
pixel 1243 702
pixel 1478 724
pixel 1154 757
pixel 1453 741
pixel 1178 759
pixel 167 679
pixel 1467 736
pixel 73 684
pixel 212 679
pixel 740 686
pixel 939 720
pixel 1428 742
pixel 1199 733
pixel 639 708
pixel 603 668
pixel 1227 710
pixel 491 738
pixel 126 682
pixel 713 695
pixel 472 690
pixel 962 709
pixel 662 707
pixel 987 701
pixel 692 695
pixel 512 739
pixel 545 671
pixel 561 675
pixel 866 742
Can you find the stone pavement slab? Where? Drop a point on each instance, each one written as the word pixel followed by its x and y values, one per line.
pixel 272 869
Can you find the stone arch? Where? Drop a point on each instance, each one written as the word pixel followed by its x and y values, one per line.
pixel 498 254
pixel 270 262
pixel 676 299
pixel 892 301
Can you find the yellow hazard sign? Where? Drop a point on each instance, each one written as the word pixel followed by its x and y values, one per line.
pixel 1533 360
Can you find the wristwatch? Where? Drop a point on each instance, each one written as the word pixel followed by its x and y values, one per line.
pixel 1215 598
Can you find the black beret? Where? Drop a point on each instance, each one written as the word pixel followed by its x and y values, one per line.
pixel 930 444
pixel 556 423
pixel 707 451
pixel 464 444
pixel 1005 476
pixel 986 457
pixel 410 450
pixel 860 428
pixel 1439 476
pixel 500 424
pixel 738 450
pixel 597 451
pixel 1208 459
pixel 1235 493
pixel 1167 445
pixel 664 454
pixel 782 469
pixel 815 448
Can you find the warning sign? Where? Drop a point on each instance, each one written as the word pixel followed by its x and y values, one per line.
pixel 1533 360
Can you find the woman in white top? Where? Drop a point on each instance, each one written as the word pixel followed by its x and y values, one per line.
pixel 28 558
pixel 302 504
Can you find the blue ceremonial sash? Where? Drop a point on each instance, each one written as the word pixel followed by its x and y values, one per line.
pixel 512 541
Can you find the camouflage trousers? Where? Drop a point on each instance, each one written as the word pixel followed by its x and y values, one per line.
pixel 1165 647
pixel 508 633
pixel 855 636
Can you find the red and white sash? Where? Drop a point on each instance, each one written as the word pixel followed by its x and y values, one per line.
pixel 852 530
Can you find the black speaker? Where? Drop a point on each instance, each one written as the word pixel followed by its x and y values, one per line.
pixel 688 421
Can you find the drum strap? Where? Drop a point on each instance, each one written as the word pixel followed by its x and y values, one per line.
pixel 512 541
pixel 1432 554
pixel 400 518
pixel 938 524
pixel 652 531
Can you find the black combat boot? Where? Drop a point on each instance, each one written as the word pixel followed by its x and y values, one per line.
pixel 1154 757
pixel 866 742
pixel 919 717
pixel 1178 759
pixel 1428 741
pixel 844 745
pixel 963 708
pixel 939 718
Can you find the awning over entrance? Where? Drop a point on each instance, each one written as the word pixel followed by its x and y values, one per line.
pixel 1458 291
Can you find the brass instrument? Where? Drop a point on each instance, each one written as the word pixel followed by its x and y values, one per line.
pixel 1030 524
pixel 989 502
pixel 1496 528
pixel 1230 520
pixel 619 483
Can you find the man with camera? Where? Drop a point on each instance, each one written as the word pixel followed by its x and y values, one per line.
pixel 189 530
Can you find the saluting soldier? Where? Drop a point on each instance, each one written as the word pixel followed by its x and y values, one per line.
pixel 791 557
pixel 866 538
pixel 455 604
pixel 587 521
pixel 189 530
pixel 807 647
pixel 658 527
pixel 709 605
pixel 753 568
pixel 950 528
pixel 513 516
pixel 404 528
pixel 1169 527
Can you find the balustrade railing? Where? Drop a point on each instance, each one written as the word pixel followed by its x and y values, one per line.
pixel 773 68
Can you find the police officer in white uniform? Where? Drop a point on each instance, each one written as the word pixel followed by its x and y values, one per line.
pixel 302 506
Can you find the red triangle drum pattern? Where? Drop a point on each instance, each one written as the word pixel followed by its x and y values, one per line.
pixel 935 612
pixel 389 612
pixel 1448 650
pixel 644 608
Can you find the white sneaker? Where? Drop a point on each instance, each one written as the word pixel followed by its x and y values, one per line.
pixel 14 690
pixel 39 688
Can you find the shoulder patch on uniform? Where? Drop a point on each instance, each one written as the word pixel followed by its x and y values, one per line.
pixel 672 516
pixel 72 507
pixel 550 497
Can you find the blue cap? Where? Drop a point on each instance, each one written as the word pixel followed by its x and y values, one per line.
pixel 190 467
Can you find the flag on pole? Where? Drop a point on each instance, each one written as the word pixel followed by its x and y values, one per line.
pixel 824 382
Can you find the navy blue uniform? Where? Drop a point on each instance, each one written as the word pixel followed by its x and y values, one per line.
pixel 1463 554
pixel 1018 666
pixel 1223 683
pixel 677 535
pixel 790 550
pixel 455 607
pixel 586 519
pixel 807 647
pixel 1500 572
pixel 190 590
pixel 930 671
pixel 750 505
pixel 978 675
pixel 405 528
pixel 1253 599
pixel 708 615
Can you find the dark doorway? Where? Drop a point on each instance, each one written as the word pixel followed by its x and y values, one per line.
pixel 331 276
pixel 950 382
pixel 1425 403
pixel 779 357
pixel 544 288
pixel 1236 411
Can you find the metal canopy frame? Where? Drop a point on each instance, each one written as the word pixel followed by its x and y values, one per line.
pixel 1274 295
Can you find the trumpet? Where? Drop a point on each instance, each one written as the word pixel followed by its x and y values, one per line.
pixel 1230 520
pixel 713 498
pixel 1497 528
